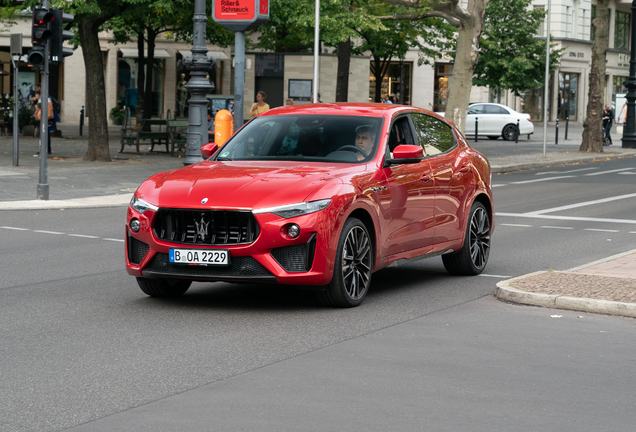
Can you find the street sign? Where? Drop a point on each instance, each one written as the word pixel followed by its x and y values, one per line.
pixel 240 15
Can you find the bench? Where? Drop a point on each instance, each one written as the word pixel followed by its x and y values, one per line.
pixel 156 133
pixel 176 134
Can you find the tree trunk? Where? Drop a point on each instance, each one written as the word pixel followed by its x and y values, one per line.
pixel 152 35
pixel 141 76
pixel 98 149
pixel 344 62
pixel 379 70
pixel 470 30
pixel 592 127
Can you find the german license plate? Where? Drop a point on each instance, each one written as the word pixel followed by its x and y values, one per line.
pixel 219 257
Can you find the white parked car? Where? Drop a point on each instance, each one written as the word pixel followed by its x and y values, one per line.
pixel 496 120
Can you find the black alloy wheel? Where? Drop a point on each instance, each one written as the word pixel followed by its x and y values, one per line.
pixel 510 132
pixel 472 258
pixel 353 267
pixel 163 287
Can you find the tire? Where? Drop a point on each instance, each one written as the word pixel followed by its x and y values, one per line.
pixel 163 287
pixel 472 258
pixel 510 132
pixel 492 137
pixel 353 267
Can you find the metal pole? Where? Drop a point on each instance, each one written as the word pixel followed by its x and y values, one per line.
pixel 317 51
pixel 43 185
pixel 556 137
pixel 199 86
pixel 567 121
pixel 81 119
pixel 16 128
pixel 629 134
pixel 518 130
pixel 547 81
pixel 239 78
pixel 476 129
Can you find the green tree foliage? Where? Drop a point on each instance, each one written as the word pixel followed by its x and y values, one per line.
pixel 510 58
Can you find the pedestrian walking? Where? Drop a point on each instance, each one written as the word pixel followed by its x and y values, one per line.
pixel 259 106
pixel 608 120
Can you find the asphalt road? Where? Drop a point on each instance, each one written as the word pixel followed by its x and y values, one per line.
pixel 82 347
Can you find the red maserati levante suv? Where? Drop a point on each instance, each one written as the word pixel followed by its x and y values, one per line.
pixel 318 195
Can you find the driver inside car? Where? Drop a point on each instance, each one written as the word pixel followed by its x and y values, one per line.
pixel 364 141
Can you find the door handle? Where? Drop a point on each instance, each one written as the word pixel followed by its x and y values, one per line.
pixel 425 177
pixel 464 169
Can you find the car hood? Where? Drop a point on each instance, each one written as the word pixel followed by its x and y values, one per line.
pixel 239 185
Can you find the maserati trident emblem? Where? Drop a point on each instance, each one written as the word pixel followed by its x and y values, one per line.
pixel 204 200
pixel 202 228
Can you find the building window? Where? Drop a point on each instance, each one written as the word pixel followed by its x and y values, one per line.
pixel 593 15
pixel 621 30
pixel 127 91
pixel 443 72
pixel 541 29
pixel 392 83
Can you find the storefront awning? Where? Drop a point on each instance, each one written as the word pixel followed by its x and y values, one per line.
pixel 133 53
pixel 219 55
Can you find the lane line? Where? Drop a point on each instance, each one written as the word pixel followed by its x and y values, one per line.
pixel 582 204
pixel 48 232
pixel 495 276
pixel 84 236
pixel 515 225
pixel 541 180
pixel 498 185
pixel 600 230
pixel 557 227
pixel 115 240
pixel 566 172
pixel 15 228
pixel 608 172
pixel 568 218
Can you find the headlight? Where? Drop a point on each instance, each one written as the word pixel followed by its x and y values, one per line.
pixel 293 210
pixel 141 205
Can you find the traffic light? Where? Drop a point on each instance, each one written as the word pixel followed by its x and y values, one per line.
pixel 58 51
pixel 36 57
pixel 41 28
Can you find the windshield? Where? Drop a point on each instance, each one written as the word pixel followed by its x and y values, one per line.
pixel 320 138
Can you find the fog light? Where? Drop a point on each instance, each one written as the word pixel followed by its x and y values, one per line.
pixel 135 225
pixel 293 230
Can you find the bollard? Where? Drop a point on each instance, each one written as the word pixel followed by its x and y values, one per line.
pixel 81 119
pixel 567 120
pixel 556 137
pixel 476 129
pixel 223 127
pixel 518 130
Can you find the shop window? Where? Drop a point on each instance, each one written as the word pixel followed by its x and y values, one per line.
pixel 443 72
pixel 392 83
pixel 621 30
pixel 127 91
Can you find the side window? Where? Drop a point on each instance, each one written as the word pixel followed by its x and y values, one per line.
pixel 400 133
pixel 476 109
pixel 433 135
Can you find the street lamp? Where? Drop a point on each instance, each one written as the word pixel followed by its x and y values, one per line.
pixel 629 134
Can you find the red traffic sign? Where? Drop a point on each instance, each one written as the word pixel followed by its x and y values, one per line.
pixel 240 15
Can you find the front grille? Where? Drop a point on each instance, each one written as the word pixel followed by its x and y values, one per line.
pixel 212 227
pixel 239 268
pixel 137 250
pixel 296 258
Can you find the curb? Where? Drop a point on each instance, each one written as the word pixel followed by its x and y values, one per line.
pixel 90 202
pixel 506 168
pixel 506 292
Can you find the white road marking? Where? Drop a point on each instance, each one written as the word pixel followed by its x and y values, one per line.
pixel 608 172
pixel 115 240
pixel 495 276
pixel 498 185
pixel 515 225
pixel 582 204
pixel 541 180
pixel 628 173
pixel 557 227
pixel 83 236
pixel 568 218
pixel 14 228
pixel 565 172
pixel 48 232
pixel 600 230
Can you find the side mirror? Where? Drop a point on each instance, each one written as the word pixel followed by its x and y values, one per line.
pixel 209 149
pixel 406 154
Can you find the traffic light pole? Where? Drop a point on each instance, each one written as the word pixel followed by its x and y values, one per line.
pixel 43 185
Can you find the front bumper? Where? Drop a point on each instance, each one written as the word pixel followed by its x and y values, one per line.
pixel 272 258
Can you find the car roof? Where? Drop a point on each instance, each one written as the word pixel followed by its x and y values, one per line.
pixel 345 108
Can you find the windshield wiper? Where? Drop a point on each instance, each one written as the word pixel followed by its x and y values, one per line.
pixel 224 159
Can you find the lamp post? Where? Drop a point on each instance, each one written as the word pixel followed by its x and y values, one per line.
pixel 198 86
pixel 629 134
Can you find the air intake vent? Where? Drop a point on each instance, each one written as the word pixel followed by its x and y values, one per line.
pixel 213 227
pixel 137 250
